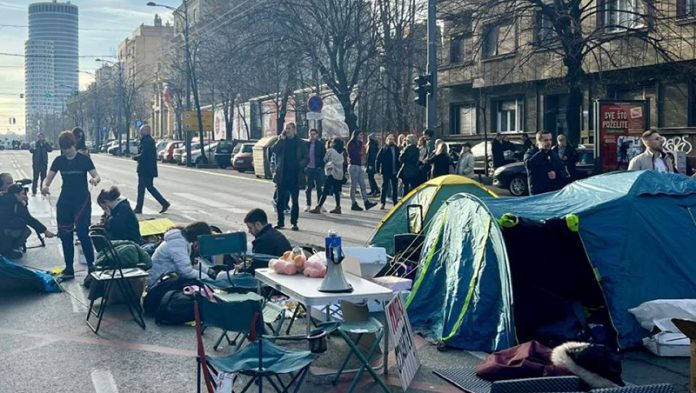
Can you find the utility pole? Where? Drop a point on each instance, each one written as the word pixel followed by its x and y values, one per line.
pixel 431 113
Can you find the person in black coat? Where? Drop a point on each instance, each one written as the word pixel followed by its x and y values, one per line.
pixel 498 151
pixel 267 240
pixel 409 173
pixel 545 170
pixel 120 221
pixel 387 164
pixel 567 153
pixel 372 151
pixel 39 161
pixel 291 153
pixel 15 220
pixel 147 171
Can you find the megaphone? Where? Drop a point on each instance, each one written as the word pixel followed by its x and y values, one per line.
pixel 335 280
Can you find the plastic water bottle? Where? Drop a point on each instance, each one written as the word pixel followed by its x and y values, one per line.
pixel 334 251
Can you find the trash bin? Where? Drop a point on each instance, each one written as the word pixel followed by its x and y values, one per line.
pixel 262 156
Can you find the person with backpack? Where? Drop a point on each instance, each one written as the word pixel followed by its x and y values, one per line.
pixel 174 254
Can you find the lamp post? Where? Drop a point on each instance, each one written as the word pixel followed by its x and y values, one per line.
pixel 190 77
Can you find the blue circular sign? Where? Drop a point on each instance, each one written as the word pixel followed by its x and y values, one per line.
pixel 138 123
pixel 315 103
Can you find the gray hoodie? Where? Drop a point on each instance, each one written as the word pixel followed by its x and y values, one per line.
pixel 173 255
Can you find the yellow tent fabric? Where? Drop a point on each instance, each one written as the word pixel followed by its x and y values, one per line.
pixel 155 227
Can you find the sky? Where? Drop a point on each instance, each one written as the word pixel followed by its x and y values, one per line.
pixel 103 25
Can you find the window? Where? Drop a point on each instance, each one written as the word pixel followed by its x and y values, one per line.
pixel 461 49
pixel 499 40
pixel 509 115
pixel 686 8
pixel 624 14
pixel 545 35
pixel 464 119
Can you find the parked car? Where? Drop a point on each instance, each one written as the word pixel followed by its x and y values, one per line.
pixel 479 152
pixel 132 148
pixel 167 154
pixel 196 157
pixel 180 152
pixel 106 145
pixel 160 145
pixel 513 177
pixel 242 157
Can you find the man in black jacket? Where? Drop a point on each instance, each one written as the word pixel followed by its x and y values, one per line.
pixel 387 164
pixel 147 171
pixel 314 170
pixel 372 151
pixel 545 170
pixel 39 160
pixel 267 239
pixel 291 153
pixel 14 219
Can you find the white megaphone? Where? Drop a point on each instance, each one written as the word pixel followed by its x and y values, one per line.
pixel 335 280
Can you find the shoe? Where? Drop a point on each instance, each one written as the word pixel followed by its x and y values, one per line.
pixel 279 227
pixel 356 208
pixel 382 207
pixel 316 210
pixel 165 208
pixel 369 205
pixel 66 276
pixel 307 209
pixel 295 228
pixel 138 211
pixel 336 210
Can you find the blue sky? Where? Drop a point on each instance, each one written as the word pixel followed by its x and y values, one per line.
pixel 103 25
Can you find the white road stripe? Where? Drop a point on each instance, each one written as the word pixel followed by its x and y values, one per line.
pixel 103 381
pixel 77 297
pixel 201 199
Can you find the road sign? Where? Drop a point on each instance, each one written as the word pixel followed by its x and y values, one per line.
pixel 314 116
pixel 407 362
pixel 189 121
pixel 315 103
pixel 138 123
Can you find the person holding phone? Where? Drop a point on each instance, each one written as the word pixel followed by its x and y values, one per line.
pixel 545 170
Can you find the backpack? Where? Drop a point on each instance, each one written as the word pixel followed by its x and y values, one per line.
pixel 176 308
pixel 168 282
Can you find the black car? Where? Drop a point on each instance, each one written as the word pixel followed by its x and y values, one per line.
pixel 513 177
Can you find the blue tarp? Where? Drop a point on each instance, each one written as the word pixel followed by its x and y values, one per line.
pixel 638 230
pixel 14 277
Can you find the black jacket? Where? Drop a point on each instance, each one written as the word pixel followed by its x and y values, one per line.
pixel 410 171
pixel 498 152
pixel 301 155
pixel 271 242
pixel 15 215
pixel 122 224
pixel 319 153
pixel 441 165
pixel 39 153
pixel 571 158
pixel 147 157
pixel 539 163
pixel 373 151
pixel 387 160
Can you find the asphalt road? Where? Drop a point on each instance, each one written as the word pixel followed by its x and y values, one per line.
pixel 45 345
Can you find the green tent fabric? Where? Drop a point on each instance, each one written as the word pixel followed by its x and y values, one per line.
pixel 131 255
pixel 618 239
pixel 430 196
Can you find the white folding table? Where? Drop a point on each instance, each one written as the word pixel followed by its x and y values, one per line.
pixel 305 290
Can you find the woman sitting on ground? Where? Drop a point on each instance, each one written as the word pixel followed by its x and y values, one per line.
pixel 120 221
pixel 174 254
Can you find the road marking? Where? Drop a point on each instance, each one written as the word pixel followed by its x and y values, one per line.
pixel 201 199
pixel 103 381
pixel 77 297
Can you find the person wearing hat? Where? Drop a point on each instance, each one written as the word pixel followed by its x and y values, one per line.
pixel 15 220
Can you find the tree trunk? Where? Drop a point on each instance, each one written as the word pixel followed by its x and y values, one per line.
pixel 575 77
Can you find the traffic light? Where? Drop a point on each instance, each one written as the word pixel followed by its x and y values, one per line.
pixel 423 87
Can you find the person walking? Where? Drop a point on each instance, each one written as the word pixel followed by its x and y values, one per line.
pixel 291 154
pixel 80 141
pixel 567 153
pixel 74 207
pixel 357 172
pixel 372 151
pixel 545 169
pixel 333 168
pixel 440 162
pixel 654 158
pixel 147 171
pixel 465 165
pixel 315 166
pixel 386 164
pixel 409 173
pixel 39 161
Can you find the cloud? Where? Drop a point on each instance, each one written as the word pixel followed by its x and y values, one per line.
pixel 12 6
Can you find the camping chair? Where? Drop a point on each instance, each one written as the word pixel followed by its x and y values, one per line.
pixel 261 359
pixel 114 275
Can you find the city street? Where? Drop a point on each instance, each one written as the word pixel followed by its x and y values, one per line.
pixel 45 345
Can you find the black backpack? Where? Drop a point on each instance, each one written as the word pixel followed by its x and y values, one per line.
pixel 168 282
pixel 176 308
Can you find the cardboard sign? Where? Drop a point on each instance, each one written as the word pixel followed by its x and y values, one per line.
pixel 407 362
pixel 689 329
pixel 618 127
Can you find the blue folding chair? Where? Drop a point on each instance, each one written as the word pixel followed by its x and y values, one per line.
pixel 261 360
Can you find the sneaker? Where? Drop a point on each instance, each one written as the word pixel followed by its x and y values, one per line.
pixel 316 210
pixel 165 208
pixel 308 209
pixel 66 276
pixel 279 227
pixel 295 228
pixel 369 205
pixel 337 210
pixel 356 208
pixel 383 207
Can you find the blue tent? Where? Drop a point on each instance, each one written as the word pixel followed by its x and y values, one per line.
pixel 493 272
pixel 14 277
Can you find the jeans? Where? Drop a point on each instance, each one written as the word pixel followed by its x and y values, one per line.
pixel 74 215
pixel 332 186
pixel 146 183
pixel 315 179
pixel 39 172
pixel 284 195
pixel 393 182
pixel 357 178
pixel 371 178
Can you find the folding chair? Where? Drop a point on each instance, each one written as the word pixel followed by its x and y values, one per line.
pixel 115 275
pixel 369 326
pixel 261 359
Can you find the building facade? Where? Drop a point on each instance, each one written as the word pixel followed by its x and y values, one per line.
pixel 51 61
pixel 495 78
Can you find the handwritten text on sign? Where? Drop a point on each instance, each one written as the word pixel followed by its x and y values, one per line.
pixel 404 347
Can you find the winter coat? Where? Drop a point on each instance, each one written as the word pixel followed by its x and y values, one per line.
pixel 387 162
pixel 373 151
pixel 39 154
pixel 539 163
pixel 465 165
pixel 130 255
pixel 319 153
pixel 279 150
pixel 334 164
pixel 147 157
pixel 440 165
pixel 409 164
pixel 498 152
pixel 122 224
pixel 173 255
pixel 270 242
pixel 646 161
pixel 14 215
pixel 571 158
